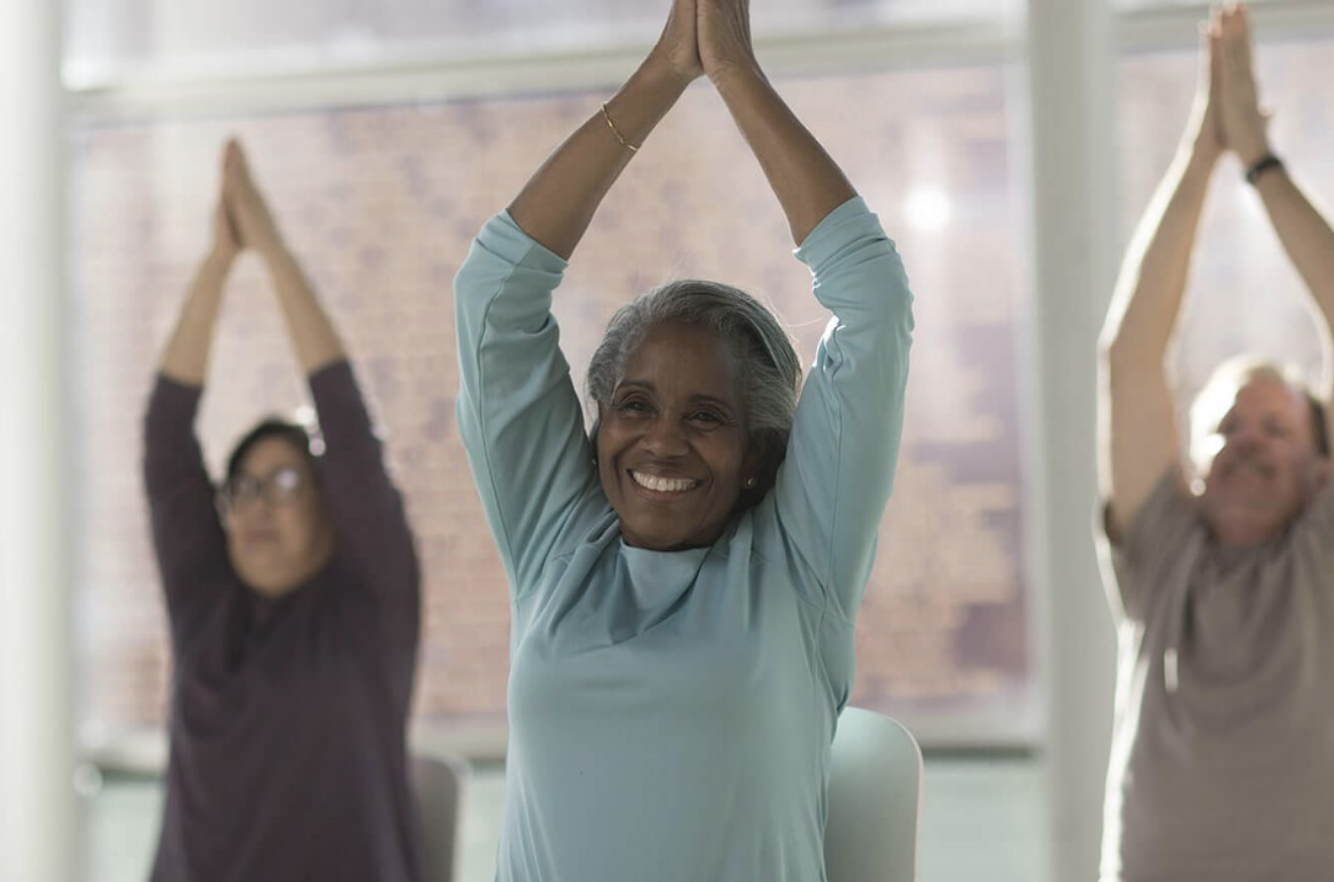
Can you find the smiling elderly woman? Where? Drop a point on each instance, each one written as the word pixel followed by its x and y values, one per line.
pixel 293 604
pixel 684 587
pixel 729 361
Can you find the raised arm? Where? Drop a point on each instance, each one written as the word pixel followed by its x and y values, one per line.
pixel 366 509
pixel 832 488
pixel 1139 440
pixel 557 204
pixel 313 336
pixel 805 179
pixel 518 413
pixel 187 536
pixel 185 358
pixel 1305 233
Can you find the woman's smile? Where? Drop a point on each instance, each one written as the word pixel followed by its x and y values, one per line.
pixel 663 485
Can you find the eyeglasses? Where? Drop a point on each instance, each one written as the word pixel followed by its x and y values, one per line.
pixel 282 486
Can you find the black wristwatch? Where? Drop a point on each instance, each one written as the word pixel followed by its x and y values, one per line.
pixel 1262 165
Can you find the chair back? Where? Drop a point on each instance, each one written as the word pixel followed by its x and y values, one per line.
pixel 437 784
pixel 875 786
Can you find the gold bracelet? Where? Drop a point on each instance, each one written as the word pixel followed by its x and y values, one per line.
pixel 615 131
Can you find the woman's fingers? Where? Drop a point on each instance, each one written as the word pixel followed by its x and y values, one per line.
pixel 226 240
pixel 679 44
pixel 724 36
pixel 249 213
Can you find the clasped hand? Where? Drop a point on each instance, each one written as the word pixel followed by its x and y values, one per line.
pixel 1228 115
pixel 707 37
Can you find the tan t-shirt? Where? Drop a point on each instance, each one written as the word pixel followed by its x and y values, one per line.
pixel 1222 764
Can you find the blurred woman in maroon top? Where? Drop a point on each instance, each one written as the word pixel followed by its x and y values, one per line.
pixel 293 593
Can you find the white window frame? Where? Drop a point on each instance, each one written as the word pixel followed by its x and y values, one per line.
pixel 166 94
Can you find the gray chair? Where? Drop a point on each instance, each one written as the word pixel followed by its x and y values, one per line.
pixel 875 787
pixel 437 784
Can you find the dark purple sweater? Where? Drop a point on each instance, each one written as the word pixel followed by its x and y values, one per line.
pixel 288 718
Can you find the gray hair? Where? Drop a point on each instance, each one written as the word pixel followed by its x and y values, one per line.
pixel 1213 401
pixel 767 363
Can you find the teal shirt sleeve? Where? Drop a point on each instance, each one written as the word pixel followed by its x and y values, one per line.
pixel 832 489
pixel 517 409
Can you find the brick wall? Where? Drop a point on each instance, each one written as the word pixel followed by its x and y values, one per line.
pixel 381 203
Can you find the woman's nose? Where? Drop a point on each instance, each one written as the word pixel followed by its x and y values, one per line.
pixel 665 437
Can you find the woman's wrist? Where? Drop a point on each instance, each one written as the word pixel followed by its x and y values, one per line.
pixel 219 259
pixel 640 104
pixel 275 254
pixel 660 74
pixel 737 76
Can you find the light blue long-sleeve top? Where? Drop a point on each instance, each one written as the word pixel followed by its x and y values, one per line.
pixel 671 713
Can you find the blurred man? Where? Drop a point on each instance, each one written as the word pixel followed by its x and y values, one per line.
pixel 1222 762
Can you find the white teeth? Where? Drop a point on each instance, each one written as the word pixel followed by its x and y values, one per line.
pixel 663 485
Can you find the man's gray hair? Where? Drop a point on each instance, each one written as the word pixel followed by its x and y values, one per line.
pixel 1213 401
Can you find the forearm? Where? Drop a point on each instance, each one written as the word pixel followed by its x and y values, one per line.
pixel 1306 236
pixel 517 411
pixel 185 358
pixel 843 449
pixel 807 182
pixel 1137 424
pixel 313 336
pixel 366 509
pixel 187 536
pixel 1152 284
pixel 557 204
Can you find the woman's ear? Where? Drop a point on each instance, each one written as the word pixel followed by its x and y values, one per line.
pixel 757 466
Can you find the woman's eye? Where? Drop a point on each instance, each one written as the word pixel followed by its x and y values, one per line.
pixel 707 417
pixel 633 405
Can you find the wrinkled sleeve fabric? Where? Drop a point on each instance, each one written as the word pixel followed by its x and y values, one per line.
pixel 1152 543
pixel 368 513
pixel 188 540
pixel 832 489
pixel 518 413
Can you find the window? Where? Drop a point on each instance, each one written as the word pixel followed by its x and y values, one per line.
pixel 381 204
pixel 110 39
